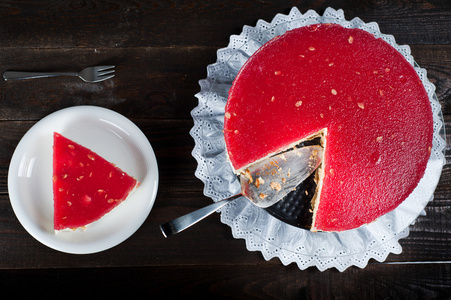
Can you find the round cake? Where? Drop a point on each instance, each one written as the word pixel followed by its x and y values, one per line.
pixel 354 91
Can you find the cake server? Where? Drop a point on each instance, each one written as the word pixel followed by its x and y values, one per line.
pixel 264 184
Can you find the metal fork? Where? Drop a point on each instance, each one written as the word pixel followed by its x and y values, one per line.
pixel 90 74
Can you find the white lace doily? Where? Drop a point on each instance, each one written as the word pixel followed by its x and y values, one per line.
pixel 263 232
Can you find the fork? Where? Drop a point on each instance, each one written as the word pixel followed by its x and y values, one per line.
pixel 90 74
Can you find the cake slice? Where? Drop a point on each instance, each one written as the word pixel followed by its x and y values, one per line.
pixel 359 94
pixel 85 185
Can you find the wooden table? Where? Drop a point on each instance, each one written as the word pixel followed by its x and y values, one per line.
pixel 161 50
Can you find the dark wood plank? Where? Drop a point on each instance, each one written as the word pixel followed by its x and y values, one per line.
pixel 172 144
pixel 170 140
pixel 57 24
pixel 437 63
pixel 156 83
pixel 181 192
pixel 161 50
pixel 208 243
pixel 376 281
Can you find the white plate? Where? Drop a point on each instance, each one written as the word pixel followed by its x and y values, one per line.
pixel 110 135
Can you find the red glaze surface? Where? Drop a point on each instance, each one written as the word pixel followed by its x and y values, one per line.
pixel 373 104
pixel 85 185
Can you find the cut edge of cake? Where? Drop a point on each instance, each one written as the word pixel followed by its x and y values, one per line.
pixel 319 172
pixel 240 171
pixel 319 176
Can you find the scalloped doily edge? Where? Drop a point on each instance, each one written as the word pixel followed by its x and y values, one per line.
pixel 206 84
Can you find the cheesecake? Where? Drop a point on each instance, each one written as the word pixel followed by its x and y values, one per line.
pixel 358 95
pixel 85 185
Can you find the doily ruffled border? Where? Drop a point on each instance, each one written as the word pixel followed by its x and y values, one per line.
pixel 263 232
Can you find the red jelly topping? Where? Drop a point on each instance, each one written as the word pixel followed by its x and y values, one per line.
pixel 85 185
pixel 362 90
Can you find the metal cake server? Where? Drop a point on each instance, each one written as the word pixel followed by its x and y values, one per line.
pixel 264 184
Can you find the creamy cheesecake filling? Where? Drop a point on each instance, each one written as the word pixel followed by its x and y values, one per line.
pixel 319 176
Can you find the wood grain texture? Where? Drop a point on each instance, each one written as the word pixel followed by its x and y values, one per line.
pixel 158 83
pixel 376 281
pixel 161 50
pixel 64 24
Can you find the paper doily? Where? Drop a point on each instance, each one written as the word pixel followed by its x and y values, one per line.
pixel 263 232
